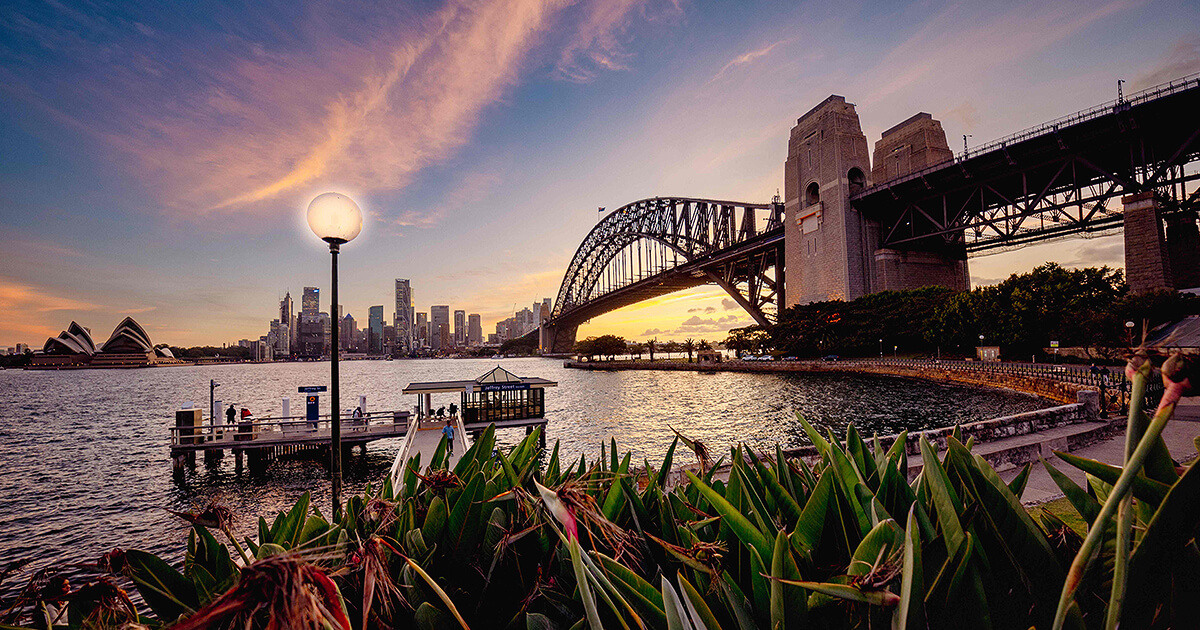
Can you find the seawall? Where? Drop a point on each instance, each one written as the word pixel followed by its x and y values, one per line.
pixel 1050 389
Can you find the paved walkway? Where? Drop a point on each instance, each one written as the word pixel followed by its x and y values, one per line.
pixel 1179 435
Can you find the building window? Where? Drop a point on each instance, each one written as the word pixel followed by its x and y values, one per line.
pixel 812 194
pixel 857 180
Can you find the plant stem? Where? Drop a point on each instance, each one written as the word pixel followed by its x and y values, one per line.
pixel 1124 483
pixel 245 560
pixel 1133 431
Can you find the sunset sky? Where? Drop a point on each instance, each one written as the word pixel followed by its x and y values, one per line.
pixel 156 157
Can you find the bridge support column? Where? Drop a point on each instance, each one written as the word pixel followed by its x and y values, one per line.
pixel 1183 247
pixel 557 338
pixel 1147 260
pixel 897 270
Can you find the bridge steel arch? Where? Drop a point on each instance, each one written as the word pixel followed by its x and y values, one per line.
pixel 656 246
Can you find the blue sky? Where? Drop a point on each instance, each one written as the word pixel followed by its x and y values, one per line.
pixel 155 158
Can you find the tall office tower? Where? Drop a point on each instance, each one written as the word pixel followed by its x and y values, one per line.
pixel 439 317
pixel 347 332
pixel 310 302
pixel 288 316
pixel 326 328
pixel 474 330
pixel 546 309
pixel 403 316
pixel 375 329
pixel 412 332
pixel 460 328
pixel 422 330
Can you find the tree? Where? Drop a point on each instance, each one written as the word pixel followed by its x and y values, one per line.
pixel 689 345
pixel 651 345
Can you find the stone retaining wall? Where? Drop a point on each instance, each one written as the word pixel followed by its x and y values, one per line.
pixel 984 431
pixel 1047 388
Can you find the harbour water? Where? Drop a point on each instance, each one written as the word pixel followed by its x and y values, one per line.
pixel 84 463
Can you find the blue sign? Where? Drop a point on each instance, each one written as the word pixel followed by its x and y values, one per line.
pixel 312 407
pixel 311 389
pixel 503 387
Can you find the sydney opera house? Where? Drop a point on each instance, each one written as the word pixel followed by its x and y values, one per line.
pixel 128 346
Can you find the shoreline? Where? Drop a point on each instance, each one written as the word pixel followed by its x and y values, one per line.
pixel 1056 391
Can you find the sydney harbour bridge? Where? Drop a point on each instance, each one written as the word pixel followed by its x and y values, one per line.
pixel 850 224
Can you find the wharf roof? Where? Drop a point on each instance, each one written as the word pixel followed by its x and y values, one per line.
pixel 497 376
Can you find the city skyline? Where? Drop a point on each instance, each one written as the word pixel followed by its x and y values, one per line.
pixel 158 160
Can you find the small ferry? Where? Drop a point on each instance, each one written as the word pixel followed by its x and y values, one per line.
pixel 498 397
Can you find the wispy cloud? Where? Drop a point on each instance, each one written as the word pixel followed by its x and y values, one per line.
pixel 251 128
pixel 959 40
pixel 1181 60
pixel 25 311
pixel 597 45
pixel 746 58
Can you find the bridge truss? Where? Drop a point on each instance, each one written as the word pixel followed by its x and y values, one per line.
pixel 1060 178
pixel 657 246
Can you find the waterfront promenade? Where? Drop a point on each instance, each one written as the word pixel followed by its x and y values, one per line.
pixel 1179 435
pixel 1060 383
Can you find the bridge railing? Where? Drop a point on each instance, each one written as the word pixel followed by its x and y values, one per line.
pixel 1191 81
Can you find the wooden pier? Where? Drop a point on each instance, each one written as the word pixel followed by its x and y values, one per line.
pixel 264 440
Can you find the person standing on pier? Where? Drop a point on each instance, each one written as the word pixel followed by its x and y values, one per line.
pixel 230 414
pixel 453 410
pixel 448 431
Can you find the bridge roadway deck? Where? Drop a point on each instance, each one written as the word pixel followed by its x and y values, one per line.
pixel 1106 146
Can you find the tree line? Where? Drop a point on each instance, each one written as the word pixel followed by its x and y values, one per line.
pixel 1022 315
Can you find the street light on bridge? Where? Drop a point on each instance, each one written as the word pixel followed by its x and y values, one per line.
pixel 336 219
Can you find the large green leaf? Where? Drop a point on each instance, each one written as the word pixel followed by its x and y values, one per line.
pixel 698 609
pixel 1083 502
pixel 877 548
pixel 789 604
pixel 741 526
pixel 638 592
pixel 165 590
pixel 910 612
pixel 1143 489
pixel 1166 554
pixel 946 503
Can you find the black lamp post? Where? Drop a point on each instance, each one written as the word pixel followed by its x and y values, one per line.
pixel 337 220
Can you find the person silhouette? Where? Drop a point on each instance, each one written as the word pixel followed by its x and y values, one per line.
pixel 448 432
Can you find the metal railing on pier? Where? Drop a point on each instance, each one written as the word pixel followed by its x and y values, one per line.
pixel 287 430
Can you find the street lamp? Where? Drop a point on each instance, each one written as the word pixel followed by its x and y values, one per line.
pixel 336 219
pixel 1129 332
pixel 881 348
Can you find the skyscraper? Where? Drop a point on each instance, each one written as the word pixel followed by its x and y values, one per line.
pixel 403 316
pixel 460 328
pixel 474 330
pixel 310 303
pixel 375 329
pixel 347 333
pixel 287 315
pixel 422 331
pixel 439 323
pixel 310 339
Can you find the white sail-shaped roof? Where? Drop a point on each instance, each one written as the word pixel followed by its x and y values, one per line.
pixel 499 375
pixel 74 340
pixel 128 337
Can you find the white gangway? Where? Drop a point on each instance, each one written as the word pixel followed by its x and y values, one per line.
pixel 423 438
